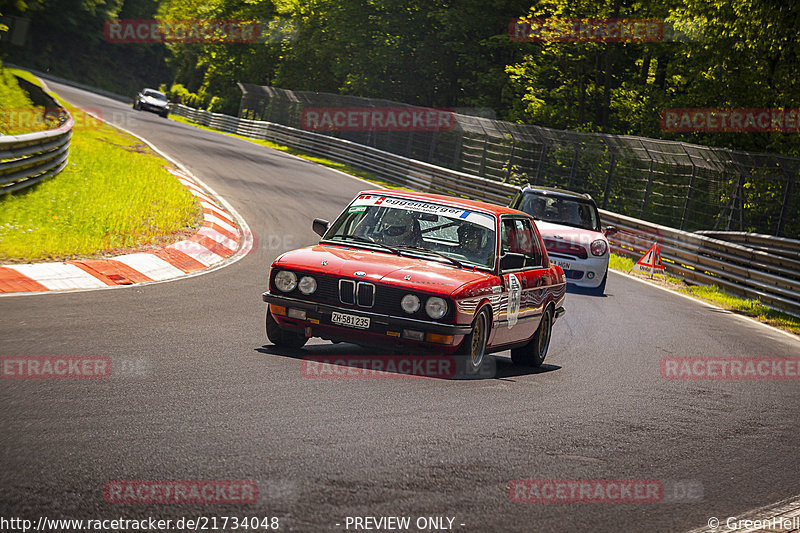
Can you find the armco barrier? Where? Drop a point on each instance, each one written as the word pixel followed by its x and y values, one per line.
pixel 31 158
pixel 750 271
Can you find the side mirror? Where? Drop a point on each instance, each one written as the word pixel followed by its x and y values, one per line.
pixel 512 261
pixel 610 230
pixel 320 226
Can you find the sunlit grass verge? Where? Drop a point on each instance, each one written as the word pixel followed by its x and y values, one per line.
pixel 114 196
pixel 715 295
pixel 368 176
pixel 16 108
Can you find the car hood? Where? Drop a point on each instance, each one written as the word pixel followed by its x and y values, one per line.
pixel 560 232
pixel 152 101
pixel 422 274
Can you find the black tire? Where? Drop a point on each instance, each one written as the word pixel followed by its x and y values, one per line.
pixel 164 115
pixel 283 338
pixel 473 349
pixel 533 353
pixel 600 289
pixel 136 106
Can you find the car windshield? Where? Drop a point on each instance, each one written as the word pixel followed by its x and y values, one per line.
pixel 155 94
pixel 561 210
pixel 437 232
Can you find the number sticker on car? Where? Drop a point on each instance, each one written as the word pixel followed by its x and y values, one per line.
pixel 351 321
pixel 566 265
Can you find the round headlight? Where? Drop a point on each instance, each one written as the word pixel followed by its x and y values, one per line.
pixel 410 304
pixel 307 285
pixel 599 247
pixel 285 281
pixel 435 307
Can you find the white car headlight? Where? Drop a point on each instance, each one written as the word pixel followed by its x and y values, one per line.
pixel 435 307
pixel 285 281
pixel 599 247
pixel 307 285
pixel 410 304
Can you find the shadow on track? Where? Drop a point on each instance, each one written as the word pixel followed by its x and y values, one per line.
pixel 351 361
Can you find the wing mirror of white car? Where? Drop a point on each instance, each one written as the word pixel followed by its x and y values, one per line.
pixel 610 230
pixel 320 226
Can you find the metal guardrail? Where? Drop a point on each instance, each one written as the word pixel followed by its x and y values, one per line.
pixel 31 158
pixel 749 271
pixel 778 245
pixel 676 184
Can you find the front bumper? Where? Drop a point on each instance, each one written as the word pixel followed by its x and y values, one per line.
pixel 390 328
pixel 578 271
pixel 154 108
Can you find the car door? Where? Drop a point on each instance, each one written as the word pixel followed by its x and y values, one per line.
pixel 524 280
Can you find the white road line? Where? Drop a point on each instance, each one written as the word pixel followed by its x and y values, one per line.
pixel 59 276
pixel 780 517
pixel 150 265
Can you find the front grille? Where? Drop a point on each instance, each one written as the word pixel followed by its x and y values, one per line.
pixel 565 248
pixel 365 293
pixel 357 295
pixel 347 291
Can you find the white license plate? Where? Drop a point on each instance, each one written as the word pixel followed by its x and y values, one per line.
pixel 566 265
pixel 351 321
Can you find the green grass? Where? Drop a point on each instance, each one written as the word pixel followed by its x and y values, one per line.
pixel 369 176
pixel 713 294
pixel 17 112
pixel 114 196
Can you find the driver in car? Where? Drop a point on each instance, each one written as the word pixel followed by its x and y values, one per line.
pixel 399 228
pixel 474 241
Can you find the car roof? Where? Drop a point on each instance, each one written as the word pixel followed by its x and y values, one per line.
pixel 552 191
pixel 451 201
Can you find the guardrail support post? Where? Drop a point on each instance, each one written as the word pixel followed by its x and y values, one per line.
pixel 787 198
pixel 609 174
pixel 647 189
pixel 689 195
pixel 539 166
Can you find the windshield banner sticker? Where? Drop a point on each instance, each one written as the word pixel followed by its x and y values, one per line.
pixel 422 207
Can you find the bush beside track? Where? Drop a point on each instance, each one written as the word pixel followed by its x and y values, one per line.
pixel 114 196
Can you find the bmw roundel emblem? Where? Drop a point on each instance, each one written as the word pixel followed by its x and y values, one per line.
pixel 360 274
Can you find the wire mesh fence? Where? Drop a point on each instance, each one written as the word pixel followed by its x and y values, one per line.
pixel 675 184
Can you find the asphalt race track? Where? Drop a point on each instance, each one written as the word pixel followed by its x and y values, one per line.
pixel 210 399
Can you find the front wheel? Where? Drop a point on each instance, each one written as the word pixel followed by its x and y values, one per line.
pixel 281 337
pixel 600 289
pixel 533 353
pixel 474 345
